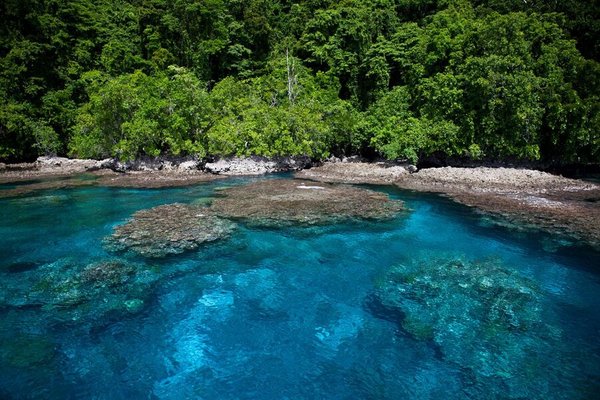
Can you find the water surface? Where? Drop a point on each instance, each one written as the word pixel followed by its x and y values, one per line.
pixel 275 313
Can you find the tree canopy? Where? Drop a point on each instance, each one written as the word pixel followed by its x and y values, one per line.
pixel 398 78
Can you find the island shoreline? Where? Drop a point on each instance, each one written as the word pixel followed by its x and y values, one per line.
pixel 516 198
pixel 508 196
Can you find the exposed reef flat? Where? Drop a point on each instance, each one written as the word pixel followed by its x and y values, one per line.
pixel 283 201
pixel 379 173
pixel 153 179
pixel 46 183
pixel 131 179
pixel 527 198
pixel 58 173
pixel 519 197
pixel 168 229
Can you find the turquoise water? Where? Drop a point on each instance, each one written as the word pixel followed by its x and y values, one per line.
pixel 281 313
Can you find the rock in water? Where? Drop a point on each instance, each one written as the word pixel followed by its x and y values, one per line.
pixel 283 201
pixel 168 229
pixel 19 267
pixel 483 317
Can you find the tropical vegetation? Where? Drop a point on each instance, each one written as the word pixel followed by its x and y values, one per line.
pixel 402 79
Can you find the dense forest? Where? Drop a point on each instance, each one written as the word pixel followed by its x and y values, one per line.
pixel 402 79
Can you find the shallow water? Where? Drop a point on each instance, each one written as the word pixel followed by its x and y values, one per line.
pixel 277 313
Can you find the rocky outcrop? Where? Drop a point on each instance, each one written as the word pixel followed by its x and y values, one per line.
pixel 168 164
pixel 519 198
pixel 284 201
pixel 349 171
pixel 168 229
pixel 71 165
pixel 256 165
pixel 240 166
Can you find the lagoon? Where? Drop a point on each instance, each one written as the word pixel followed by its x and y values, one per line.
pixel 336 311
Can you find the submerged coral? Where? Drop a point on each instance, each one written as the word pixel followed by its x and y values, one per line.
pixel 68 291
pixel 279 201
pixel 487 319
pixel 26 351
pixel 168 229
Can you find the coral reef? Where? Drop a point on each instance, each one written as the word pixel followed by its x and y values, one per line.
pixel 567 208
pixel 564 207
pixel 284 202
pixel 25 187
pixel 485 318
pixel 68 291
pixel 168 229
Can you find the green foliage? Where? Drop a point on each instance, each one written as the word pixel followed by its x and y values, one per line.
pixel 256 116
pixel 398 134
pixel 136 114
pixel 505 83
pixel 22 135
pixel 402 78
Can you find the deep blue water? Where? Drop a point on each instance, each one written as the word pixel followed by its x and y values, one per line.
pixel 274 313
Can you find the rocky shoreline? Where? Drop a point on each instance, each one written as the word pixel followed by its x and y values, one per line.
pixel 59 172
pixel 45 167
pixel 527 199
pixel 509 196
pixel 524 198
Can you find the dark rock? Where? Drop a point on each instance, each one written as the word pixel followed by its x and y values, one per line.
pixel 411 168
pixel 19 267
pixel 295 163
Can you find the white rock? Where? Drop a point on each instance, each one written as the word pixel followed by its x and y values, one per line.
pixel 188 166
pixel 240 166
pixel 311 187
pixel 68 164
